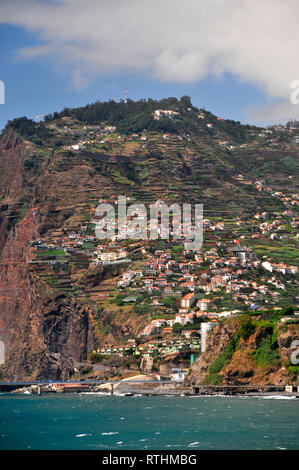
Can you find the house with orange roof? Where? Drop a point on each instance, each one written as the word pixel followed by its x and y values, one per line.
pixel 188 300
pixel 188 285
pixel 167 330
pixel 148 330
pixel 183 319
pixel 168 290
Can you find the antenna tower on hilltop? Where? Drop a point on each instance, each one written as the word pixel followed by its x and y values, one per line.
pixel 39 116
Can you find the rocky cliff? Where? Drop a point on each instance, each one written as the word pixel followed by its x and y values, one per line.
pixel 43 332
pixel 253 359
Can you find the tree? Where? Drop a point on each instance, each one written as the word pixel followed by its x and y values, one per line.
pixel 247 327
pixel 129 352
pixel 288 311
pixel 185 102
pixel 177 328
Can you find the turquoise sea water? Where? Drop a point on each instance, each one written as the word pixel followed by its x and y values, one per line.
pixel 97 422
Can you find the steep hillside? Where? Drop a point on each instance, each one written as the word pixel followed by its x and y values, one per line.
pixel 248 351
pixel 56 307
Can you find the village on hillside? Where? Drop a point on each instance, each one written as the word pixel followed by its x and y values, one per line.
pixel 246 263
pixel 182 293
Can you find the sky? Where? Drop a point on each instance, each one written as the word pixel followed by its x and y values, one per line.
pixel 235 58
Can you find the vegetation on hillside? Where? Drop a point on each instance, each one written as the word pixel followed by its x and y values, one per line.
pixel 135 116
pixel 267 351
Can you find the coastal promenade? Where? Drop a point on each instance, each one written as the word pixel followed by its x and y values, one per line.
pixel 79 386
pixel 143 386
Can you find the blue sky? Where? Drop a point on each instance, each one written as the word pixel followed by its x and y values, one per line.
pixel 45 67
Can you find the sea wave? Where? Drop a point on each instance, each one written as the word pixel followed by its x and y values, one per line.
pixel 194 444
pixel 275 397
pixel 247 397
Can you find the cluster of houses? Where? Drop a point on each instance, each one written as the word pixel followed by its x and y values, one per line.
pixel 196 279
pixel 162 347
pixel 162 274
pixel 128 277
pixel 280 267
pixel 290 200
pixel 158 113
pixel 87 134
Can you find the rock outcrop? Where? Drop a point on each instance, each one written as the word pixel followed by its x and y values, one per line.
pixel 242 368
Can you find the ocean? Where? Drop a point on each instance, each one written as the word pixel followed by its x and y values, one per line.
pixel 98 422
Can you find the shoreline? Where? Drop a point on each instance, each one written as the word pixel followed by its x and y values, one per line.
pixel 157 393
pixel 143 385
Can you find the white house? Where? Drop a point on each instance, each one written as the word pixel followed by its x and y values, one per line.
pixel 188 300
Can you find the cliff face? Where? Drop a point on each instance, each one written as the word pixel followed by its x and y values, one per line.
pixel 45 331
pixel 11 181
pixel 43 335
pixel 217 339
pixel 243 368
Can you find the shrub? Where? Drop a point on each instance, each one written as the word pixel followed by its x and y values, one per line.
pixel 292 370
pixel 247 327
pixel 287 311
pixel 212 379
pixel 177 328
pixel 95 357
pixel 224 359
pixel 266 354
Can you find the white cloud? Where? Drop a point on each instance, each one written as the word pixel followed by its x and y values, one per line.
pixel 78 80
pixel 281 112
pixel 172 40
